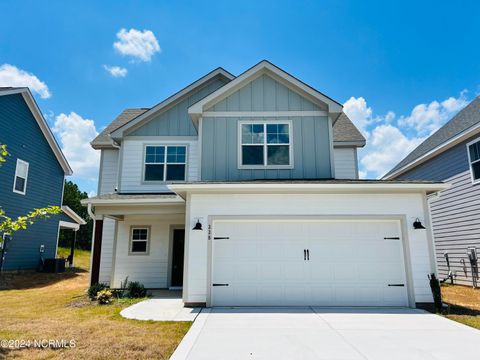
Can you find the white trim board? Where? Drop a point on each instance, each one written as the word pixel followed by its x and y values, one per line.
pixel 263 113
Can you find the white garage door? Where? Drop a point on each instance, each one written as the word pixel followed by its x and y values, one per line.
pixel 308 263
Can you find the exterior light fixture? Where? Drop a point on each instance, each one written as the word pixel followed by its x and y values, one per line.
pixel 417 224
pixel 198 225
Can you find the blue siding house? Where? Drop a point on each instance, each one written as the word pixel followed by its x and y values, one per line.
pixel 32 177
pixel 452 155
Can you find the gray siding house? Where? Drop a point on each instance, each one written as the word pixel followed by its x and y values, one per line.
pixel 244 190
pixel 452 155
pixel 32 177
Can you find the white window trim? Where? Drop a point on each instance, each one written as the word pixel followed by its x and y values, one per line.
pixel 265 166
pixel 474 181
pixel 130 242
pixel 164 181
pixel 15 178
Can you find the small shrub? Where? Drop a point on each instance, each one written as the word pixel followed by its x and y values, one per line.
pixel 104 296
pixel 136 289
pixel 94 289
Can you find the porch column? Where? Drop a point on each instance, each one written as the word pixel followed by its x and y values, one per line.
pixel 97 249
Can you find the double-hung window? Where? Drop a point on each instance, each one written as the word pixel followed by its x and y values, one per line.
pixel 474 159
pixel 139 240
pixel 21 175
pixel 165 163
pixel 265 144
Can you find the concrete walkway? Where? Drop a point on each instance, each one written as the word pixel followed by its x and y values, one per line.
pixel 326 333
pixel 164 306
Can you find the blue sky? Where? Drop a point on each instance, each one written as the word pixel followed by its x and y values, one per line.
pixel 401 68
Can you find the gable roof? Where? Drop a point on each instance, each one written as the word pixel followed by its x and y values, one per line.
pixel 463 125
pixel 103 139
pixel 264 67
pixel 118 133
pixel 346 133
pixel 37 114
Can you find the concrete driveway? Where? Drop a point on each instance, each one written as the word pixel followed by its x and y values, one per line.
pixel 326 333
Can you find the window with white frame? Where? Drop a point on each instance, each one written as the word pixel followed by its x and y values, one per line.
pixel 474 159
pixel 21 175
pixel 165 163
pixel 266 144
pixel 139 240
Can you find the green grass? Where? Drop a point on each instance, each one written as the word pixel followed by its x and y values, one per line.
pixel 81 258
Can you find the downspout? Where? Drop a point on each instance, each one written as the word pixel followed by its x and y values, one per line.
pixel 91 214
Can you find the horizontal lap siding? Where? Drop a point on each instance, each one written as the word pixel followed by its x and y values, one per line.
pixel 108 172
pixel 456 213
pixel 25 140
pixel 345 160
pixel 106 255
pixel 133 162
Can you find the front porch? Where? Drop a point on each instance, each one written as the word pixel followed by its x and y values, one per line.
pixel 139 237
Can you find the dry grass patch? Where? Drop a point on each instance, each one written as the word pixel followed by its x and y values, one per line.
pixel 464 304
pixel 55 306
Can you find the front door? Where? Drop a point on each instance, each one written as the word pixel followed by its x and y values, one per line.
pixel 177 257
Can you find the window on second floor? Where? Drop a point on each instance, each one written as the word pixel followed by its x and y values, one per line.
pixel 265 145
pixel 21 175
pixel 474 159
pixel 165 163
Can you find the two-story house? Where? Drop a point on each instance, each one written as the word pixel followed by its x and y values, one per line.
pixel 32 176
pixel 244 191
pixel 452 155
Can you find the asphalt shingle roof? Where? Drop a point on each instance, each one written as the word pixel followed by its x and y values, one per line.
pixel 343 129
pixel 464 120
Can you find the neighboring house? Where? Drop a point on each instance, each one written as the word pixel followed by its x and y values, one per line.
pixel 244 191
pixel 32 177
pixel 452 155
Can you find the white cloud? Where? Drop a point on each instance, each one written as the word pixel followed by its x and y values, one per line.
pixel 428 118
pixel 387 146
pixel 140 45
pixel 390 139
pixel 12 76
pixel 116 71
pixel 75 134
pixel 358 111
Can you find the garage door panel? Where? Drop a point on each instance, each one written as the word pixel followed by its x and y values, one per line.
pixel 350 263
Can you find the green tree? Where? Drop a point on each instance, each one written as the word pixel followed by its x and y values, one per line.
pixel 9 225
pixel 72 197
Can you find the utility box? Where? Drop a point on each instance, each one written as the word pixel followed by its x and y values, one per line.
pixel 54 265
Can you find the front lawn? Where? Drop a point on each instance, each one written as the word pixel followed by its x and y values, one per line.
pixel 37 306
pixel 464 304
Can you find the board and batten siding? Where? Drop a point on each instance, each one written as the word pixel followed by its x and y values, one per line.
pixel 132 163
pixel 25 141
pixel 176 121
pixel 456 212
pixel 345 161
pixel 151 270
pixel 309 138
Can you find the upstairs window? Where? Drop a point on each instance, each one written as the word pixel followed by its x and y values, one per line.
pixel 139 240
pixel 265 145
pixel 165 163
pixel 474 159
pixel 21 175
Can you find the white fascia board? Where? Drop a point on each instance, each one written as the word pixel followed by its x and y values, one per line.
pixel 464 135
pixel 73 215
pixel 144 201
pixel 47 133
pixel 118 133
pixel 183 189
pixel 69 225
pixel 262 67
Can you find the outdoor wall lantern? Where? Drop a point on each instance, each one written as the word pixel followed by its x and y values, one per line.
pixel 198 225
pixel 417 224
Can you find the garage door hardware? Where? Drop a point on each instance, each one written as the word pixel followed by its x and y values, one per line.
pixel 220 284
pixel 306 254
pixel 400 285
pixel 391 238
pixel 221 238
